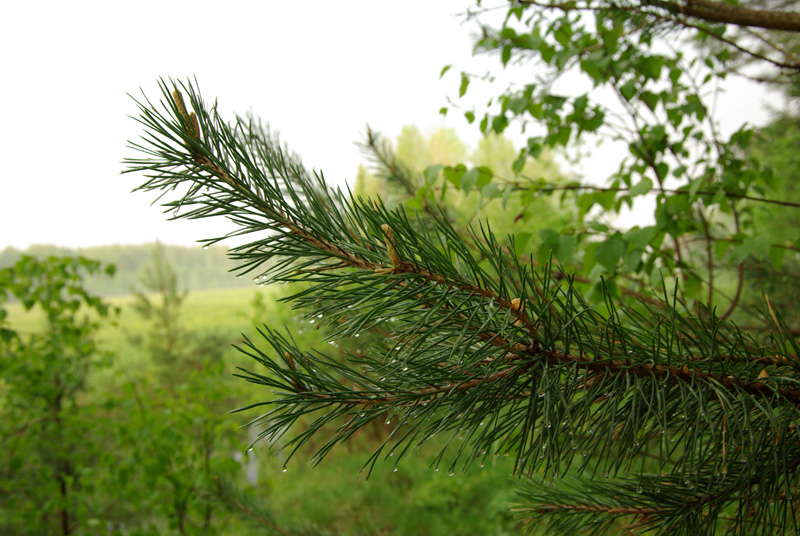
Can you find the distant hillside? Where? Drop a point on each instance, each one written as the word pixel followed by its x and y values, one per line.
pixel 196 268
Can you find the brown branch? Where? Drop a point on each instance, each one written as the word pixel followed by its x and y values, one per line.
pixel 666 372
pixel 711 11
pixel 706 10
pixel 548 508
pixel 554 187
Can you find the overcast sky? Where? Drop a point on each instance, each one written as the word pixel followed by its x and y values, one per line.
pixel 317 71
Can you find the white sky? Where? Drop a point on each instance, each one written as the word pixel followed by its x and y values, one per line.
pixel 317 71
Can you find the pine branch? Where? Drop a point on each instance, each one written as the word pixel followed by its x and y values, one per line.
pixel 475 344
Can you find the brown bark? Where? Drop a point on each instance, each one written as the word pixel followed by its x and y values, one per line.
pixel 712 11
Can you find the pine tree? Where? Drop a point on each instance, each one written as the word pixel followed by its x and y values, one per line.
pixel 653 417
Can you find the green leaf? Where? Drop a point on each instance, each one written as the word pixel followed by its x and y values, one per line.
pixel 776 255
pixel 721 248
pixel 628 90
pixel 642 187
pixel 633 260
pixel 562 135
pixel 549 237
pixel 640 237
pixel 431 173
pixel 547 52
pixel 506 54
pixel 462 90
pixel 413 203
pixel 507 191
pixel 490 191
pixel 677 205
pixel 453 175
pixel 519 163
pixel 444 70
pixel 485 176
pixel 567 247
pixel 662 169
pixel 484 123
pixel 7 334
pixel 470 117
pixel 650 99
pixel 534 147
pixel 592 69
pixel 520 241
pixel 469 179
pixel 610 252
pixel 691 286
pixel 651 67
pixel 499 124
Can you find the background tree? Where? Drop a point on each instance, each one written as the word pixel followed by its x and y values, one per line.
pixel 46 485
pixel 706 184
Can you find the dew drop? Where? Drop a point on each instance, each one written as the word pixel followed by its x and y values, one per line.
pixel 283 469
pixel 394 469
pixel 205 247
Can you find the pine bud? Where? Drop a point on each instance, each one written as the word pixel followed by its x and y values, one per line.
pixel 393 256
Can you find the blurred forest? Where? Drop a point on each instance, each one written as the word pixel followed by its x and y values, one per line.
pixel 197 268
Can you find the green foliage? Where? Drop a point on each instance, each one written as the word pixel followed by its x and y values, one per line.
pixel 46 483
pixel 706 184
pixel 144 453
pixel 666 414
